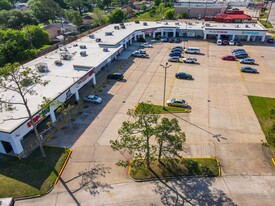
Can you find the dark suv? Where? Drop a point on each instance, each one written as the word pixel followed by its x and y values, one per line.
pixel 117 76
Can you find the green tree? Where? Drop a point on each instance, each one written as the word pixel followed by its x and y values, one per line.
pixel 157 2
pixel 170 138
pixel 76 4
pixel 135 136
pixel 37 36
pixel 106 3
pixel 13 79
pixel 74 17
pixel 116 16
pixel 169 14
pixel 143 6
pixel 44 10
pixel 5 5
pixel 161 9
pixel 98 17
pixel 182 15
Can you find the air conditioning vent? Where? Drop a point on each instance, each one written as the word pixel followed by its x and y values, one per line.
pixel 42 68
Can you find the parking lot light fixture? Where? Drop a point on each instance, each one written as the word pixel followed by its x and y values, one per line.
pixel 164 88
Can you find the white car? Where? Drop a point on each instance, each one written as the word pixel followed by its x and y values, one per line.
pixel 247 61
pixel 190 60
pixel 177 103
pixel 93 99
pixel 231 43
pixel 219 42
pixel 146 45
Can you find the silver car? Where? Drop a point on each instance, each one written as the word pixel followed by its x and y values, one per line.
pixel 247 61
pixel 248 69
pixel 177 103
pixel 93 99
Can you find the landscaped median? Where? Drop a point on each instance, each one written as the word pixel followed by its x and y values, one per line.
pixel 158 109
pixel 172 168
pixel 34 175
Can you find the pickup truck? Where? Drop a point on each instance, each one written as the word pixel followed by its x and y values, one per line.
pixel 139 53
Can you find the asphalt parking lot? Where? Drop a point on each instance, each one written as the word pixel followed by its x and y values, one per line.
pixel 222 122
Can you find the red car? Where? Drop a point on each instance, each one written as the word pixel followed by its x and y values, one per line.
pixel 229 57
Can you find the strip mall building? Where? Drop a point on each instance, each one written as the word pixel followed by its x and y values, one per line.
pixel 106 44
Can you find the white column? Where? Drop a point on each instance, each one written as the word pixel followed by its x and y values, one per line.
pixel 135 37
pixel 52 114
pixel 174 33
pixel 204 36
pixel 154 34
pixel 219 36
pixel 233 37
pixel 263 38
pixel 16 146
pixel 131 41
pixel 93 80
pixel 143 35
pixel 248 38
pixel 125 45
pixel 76 95
pixel 2 150
pixel 162 33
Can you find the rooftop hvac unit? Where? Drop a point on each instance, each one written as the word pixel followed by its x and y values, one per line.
pixel 42 67
pixel 83 47
pixel 137 22
pixel 246 26
pixel 83 53
pixel 92 36
pixel 145 24
pixel 116 27
pixel 109 33
pixel 105 49
pixel 207 24
pixel 65 56
pixel 97 40
pixel 237 26
pixel 177 23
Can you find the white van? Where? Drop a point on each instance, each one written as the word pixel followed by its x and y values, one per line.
pixel 219 42
pixel 192 50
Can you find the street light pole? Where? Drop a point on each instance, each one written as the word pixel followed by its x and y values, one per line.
pixel 164 88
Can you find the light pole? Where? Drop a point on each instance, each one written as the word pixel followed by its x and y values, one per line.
pixel 164 88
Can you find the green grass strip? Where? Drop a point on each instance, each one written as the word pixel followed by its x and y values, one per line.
pixel 157 109
pixel 33 175
pixel 170 167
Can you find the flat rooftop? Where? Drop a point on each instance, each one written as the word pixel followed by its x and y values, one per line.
pixel 62 77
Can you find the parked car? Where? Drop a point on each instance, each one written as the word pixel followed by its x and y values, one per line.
pixel 229 58
pixel 174 59
pixel 177 103
pixel 176 50
pixel 178 47
pixel 239 43
pixel 165 40
pixel 247 61
pixel 237 50
pixel 146 45
pixel 171 40
pixel 177 40
pixel 93 99
pixel 190 60
pixel 231 42
pixel 192 50
pixel 117 76
pixel 183 75
pixel 240 55
pixel 248 69
pixel 139 53
pixel 175 54
pixel 225 42
pixel 219 42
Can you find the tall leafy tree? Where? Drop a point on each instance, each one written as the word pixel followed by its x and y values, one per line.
pixel 98 17
pixel 106 3
pixel 37 36
pixel 157 2
pixel 44 10
pixel 116 16
pixel 76 4
pixel 169 14
pixel 74 17
pixel 5 5
pixel 135 136
pixel 170 138
pixel 21 82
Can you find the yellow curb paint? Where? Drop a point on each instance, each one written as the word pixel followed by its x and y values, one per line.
pixel 65 163
pixel 273 160
pixel 129 168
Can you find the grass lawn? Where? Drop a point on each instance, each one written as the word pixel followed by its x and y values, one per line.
pixel 267 25
pixel 179 167
pixel 43 47
pixel 146 17
pixel 33 175
pixel 159 110
pixel 264 109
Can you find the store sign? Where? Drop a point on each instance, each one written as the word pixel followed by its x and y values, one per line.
pixel 168 30
pixel 250 33
pixel 217 32
pixel 43 114
pixel 148 31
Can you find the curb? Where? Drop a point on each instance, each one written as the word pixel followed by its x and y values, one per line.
pixel 273 160
pixel 63 167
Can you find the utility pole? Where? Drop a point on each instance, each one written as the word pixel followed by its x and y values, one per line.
pixel 166 66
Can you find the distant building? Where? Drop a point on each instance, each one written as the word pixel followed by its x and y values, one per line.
pixel 57 29
pixel 230 16
pixel 200 8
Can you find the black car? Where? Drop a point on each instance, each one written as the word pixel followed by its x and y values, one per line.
pixel 241 55
pixel 182 75
pixel 117 76
pixel 171 40
pixel 176 50
pixel 177 40
pixel 175 54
